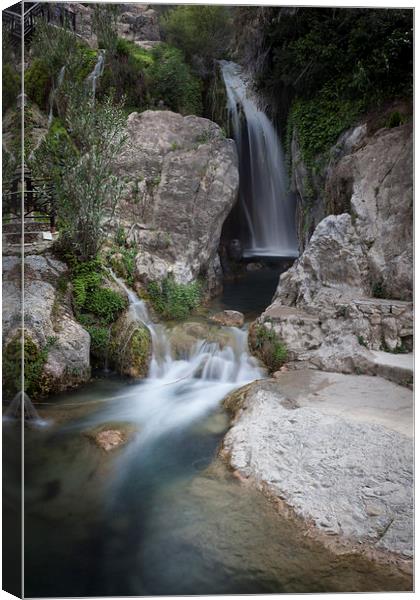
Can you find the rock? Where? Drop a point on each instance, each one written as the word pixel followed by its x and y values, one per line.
pixel 322 310
pixel 181 182
pixel 184 338
pixel 380 199
pixel 330 447
pixel 111 436
pixel 130 348
pixel 138 22
pixel 229 318
pixel 49 320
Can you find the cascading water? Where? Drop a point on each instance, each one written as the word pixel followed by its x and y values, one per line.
pixel 179 391
pixel 98 69
pixel 267 204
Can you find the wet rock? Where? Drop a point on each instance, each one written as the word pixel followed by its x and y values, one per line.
pixel 185 337
pixel 181 181
pixel 229 318
pixel 130 348
pixel 327 446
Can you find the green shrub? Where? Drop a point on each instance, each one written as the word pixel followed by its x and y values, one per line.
pixel 99 342
pixel 11 87
pixel 172 82
pixel 35 384
pixel 105 303
pixel 269 348
pixel 395 119
pixel 201 32
pixel 174 300
pixel 38 82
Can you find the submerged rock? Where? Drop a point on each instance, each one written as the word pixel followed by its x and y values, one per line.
pixel 182 180
pixel 229 318
pixel 330 447
pixel 111 436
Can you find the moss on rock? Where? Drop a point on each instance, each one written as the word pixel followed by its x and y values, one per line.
pixel 130 347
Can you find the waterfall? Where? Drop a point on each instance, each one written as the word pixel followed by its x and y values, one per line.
pixel 267 204
pixel 53 95
pixel 22 402
pixel 97 71
pixel 179 391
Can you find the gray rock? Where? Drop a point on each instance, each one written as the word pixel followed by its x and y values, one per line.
pixel 48 315
pixel 181 182
pixel 322 443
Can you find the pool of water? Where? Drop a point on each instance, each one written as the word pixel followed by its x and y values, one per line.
pixel 160 515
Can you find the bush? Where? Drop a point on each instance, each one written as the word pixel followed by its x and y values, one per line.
pixel 269 348
pixel 11 87
pixel 38 82
pixel 34 361
pixel 172 81
pixel 99 342
pixel 174 300
pixel 105 304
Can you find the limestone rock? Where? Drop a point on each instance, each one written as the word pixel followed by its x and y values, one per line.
pixel 185 337
pixel 181 182
pixel 49 319
pixel 130 346
pixel 323 444
pixel 229 318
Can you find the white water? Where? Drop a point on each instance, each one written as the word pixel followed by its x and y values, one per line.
pixel 22 402
pixel 97 71
pixel 53 94
pixel 178 392
pixel 267 204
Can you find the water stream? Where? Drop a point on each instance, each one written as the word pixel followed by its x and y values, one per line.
pixel 161 515
pixel 268 206
pixel 97 71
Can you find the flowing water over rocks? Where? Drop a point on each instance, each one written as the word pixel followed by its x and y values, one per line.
pixel 150 510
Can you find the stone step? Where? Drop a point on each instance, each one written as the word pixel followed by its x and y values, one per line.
pixel 395 367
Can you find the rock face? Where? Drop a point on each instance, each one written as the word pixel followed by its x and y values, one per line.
pixel 330 447
pixel 135 22
pixel 131 346
pixel 181 182
pixel 49 321
pixel 323 309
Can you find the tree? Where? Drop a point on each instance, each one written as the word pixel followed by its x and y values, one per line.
pixel 79 159
pixel 201 32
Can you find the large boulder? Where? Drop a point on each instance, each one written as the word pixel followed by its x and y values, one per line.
pixel 52 334
pixel 181 181
pixel 336 449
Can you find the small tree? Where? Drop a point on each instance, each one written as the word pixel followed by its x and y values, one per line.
pixel 81 167
pixel 104 24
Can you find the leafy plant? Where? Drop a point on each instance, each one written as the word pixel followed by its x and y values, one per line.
pixel 172 82
pixel 174 300
pixel 38 82
pixel 269 348
pixel 105 303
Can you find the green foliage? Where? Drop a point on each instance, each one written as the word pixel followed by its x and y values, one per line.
pixel 104 24
pixel 11 87
pixel 172 82
pixel 105 304
pixel 35 383
pixel 38 82
pixel 362 340
pixel 201 32
pixel 99 340
pixel 174 300
pixel 269 348
pixel 55 47
pixel 395 119
pixel 81 169
pixel 320 120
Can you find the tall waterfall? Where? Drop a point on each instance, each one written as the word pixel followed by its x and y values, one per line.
pixel 97 71
pixel 267 204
